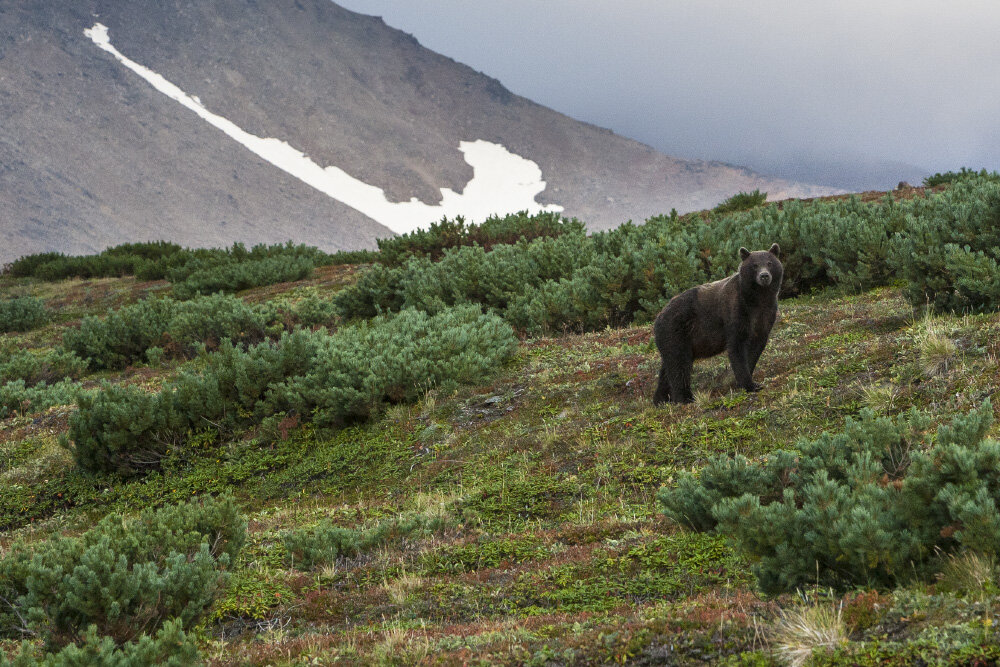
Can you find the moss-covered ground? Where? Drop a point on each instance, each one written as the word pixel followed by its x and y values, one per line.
pixel 546 543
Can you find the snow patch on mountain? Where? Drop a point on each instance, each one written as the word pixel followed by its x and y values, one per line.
pixel 502 182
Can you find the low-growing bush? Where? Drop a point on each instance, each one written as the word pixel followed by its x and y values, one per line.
pixel 18 396
pixel 575 282
pixel 949 177
pixel 34 368
pixel 238 275
pixel 950 252
pixel 877 504
pixel 121 260
pixel 352 257
pixel 170 647
pixel 394 359
pixel 742 201
pixel 123 579
pixel 159 259
pixel 495 230
pixel 328 378
pixel 325 542
pixel 123 335
pixel 22 314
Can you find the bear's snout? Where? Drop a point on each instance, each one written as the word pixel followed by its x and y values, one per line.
pixel 764 278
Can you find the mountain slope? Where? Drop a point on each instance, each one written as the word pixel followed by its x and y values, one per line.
pixel 90 154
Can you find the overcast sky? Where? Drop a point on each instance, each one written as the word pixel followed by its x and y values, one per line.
pixel 819 90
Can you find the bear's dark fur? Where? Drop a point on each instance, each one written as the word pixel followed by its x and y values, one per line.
pixel 734 315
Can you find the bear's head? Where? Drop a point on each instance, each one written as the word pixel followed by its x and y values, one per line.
pixel 761 268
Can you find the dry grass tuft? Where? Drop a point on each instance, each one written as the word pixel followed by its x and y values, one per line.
pixel 971 574
pixel 802 630
pixel 937 351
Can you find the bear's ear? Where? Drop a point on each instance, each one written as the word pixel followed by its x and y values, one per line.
pixel 774 250
pixel 744 253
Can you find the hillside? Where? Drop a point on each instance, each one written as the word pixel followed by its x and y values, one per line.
pixel 514 516
pixel 93 155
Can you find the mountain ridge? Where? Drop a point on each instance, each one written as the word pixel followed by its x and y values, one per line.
pixel 93 156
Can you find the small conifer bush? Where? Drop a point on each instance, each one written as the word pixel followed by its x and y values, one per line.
pixel 949 177
pixel 22 314
pixel 875 505
pixel 170 647
pixel 950 253
pixel 393 359
pixel 123 335
pixel 495 230
pixel 34 368
pixel 17 396
pixel 328 378
pixel 742 201
pixel 325 542
pixel 122 579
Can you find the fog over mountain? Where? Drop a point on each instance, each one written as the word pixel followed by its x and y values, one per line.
pixel 849 93
pixel 231 120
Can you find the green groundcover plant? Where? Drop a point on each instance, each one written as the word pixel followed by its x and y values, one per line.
pixel 878 504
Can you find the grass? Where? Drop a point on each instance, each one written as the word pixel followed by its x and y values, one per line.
pixel 802 631
pixel 547 546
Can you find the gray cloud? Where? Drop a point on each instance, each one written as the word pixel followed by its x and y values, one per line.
pixel 795 87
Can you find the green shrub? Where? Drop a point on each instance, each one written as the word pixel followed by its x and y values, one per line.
pixel 949 177
pixel 330 378
pixel 950 250
pixel 874 505
pixel 123 429
pixel 325 542
pixel 742 201
pixel 575 282
pixel 496 230
pixel 121 260
pixel 170 647
pixel 33 368
pixel 394 359
pixel 124 335
pixel 17 396
pixel 234 276
pixel 352 257
pixel 159 259
pixel 22 314
pixel 123 578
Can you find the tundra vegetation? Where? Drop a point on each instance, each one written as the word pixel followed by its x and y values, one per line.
pixel 448 454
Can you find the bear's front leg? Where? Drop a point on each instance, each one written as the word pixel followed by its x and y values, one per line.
pixel 741 366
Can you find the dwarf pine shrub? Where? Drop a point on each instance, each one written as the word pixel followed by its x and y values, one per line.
pixel 22 314
pixel 950 251
pixel 324 542
pixel 122 260
pixel 170 647
pixel 576 282
pixel 495 230
pixel 123 335
pixel 876 504
pixel 393 359
pixel 329 378
pixel 34 368
pixel 742 201
pixel 18 396
pixel 949 177
pixel 234 275
pixel 122 579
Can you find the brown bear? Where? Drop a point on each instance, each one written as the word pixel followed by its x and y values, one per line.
pixel 734 314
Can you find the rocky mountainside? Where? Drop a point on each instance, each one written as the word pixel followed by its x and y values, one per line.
pixel 91 154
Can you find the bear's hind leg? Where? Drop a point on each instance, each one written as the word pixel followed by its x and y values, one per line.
pixel 679 373
pixel 662 394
